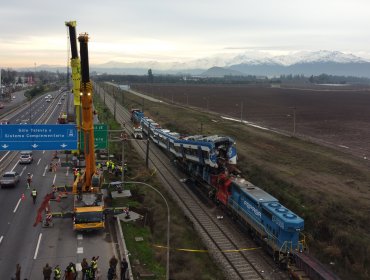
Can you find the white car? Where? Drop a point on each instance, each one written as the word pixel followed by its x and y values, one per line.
pixel 9 179
pixel 26 157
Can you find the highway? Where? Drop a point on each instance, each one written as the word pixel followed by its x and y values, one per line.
pixel 21 242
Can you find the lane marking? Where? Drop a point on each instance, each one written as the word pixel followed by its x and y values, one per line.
pixel 20 174
pixel 78 267
pixel 46 167
pixel 79 237
pixel 16 207
pixel 67 171
pixel 52 112
pixel 37 247
pixel 1 238
pixel 80 250
pixel 14 167
pixel 55 176
pixel 4 156
pixel 38 161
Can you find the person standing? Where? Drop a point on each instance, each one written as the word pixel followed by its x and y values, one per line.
pixel 94 264
pixel 18 272
pixel 57 273
pixel 113 262
pixel 111 273
pixel 47 272
pixel 124 267
pixel 84 267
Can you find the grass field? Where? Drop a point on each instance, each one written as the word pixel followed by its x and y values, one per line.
pixel 329 189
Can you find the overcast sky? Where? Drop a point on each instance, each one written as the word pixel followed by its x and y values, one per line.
pixel 33 31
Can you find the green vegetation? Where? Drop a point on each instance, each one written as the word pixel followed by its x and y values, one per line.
pixel 329 189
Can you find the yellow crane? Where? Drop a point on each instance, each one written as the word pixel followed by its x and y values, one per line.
pixel 88 199
pixel 76 70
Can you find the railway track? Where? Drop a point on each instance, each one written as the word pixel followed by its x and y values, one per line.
pixel 229 245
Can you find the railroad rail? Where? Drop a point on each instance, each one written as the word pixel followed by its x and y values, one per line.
pixel 228 244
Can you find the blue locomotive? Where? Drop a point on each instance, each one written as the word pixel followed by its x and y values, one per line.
pixel 211 160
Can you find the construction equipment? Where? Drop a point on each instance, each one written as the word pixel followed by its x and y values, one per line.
pixel 88 202
pixel 76 70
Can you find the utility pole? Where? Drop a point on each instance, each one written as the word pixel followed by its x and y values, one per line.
pixel 123 158
pixel 147 154
pixel 115 103
pixel 241 112
pixel 294 120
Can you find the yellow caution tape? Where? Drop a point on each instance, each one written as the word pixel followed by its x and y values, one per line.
pixel 205 251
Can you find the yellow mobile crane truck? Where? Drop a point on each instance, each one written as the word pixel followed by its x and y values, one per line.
pixel 88 198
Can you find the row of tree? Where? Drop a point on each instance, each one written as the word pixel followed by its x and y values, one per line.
pixel 12 77
pixel 283 79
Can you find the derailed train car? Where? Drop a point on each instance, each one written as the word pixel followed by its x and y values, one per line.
pixel 211 161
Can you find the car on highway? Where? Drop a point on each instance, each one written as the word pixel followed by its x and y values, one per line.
pixel 60 103
pixel 26 157
pixel 4 121
pixel 48 100
pixel 9 179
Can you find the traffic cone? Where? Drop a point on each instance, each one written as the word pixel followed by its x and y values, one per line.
pixel 23 197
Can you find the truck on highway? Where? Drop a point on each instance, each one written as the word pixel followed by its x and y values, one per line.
pixel 62 119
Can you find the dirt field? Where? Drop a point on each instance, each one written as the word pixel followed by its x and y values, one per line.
pixel 328 188
pixel 336 117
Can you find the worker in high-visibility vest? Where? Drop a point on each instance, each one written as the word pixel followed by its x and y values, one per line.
pixel 34 195
pixel 57 273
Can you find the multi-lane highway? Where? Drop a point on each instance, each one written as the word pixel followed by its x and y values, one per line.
pixel 21 242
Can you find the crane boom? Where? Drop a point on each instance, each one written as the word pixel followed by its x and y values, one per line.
pixel 76 70
pixel 87 111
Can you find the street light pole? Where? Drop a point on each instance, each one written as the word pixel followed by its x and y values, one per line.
pixel 168 224
pixel 30 110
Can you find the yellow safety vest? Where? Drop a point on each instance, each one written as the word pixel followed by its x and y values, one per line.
pixel 94 265
pixel 57 272
pixel 34 193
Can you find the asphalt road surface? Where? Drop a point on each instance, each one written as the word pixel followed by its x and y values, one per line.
pixel 34 246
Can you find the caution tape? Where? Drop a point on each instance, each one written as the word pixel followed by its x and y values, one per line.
pixel 206 251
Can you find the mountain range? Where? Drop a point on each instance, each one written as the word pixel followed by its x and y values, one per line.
pixel 248 63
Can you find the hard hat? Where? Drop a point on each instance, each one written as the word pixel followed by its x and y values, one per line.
pixel 29 173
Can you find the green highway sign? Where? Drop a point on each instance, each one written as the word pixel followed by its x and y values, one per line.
pixel 100 137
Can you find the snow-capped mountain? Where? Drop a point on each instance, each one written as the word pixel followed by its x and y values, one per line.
pixel 250 63
pixel 317 56
pixel 249 57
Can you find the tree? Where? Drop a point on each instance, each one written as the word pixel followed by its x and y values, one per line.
pixel 150 76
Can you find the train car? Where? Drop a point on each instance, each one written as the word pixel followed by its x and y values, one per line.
pixel 136 116
pixel 211 162
pixel 265 217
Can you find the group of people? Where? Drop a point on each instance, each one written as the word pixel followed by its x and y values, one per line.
pixel 89 271
pixel 114 168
